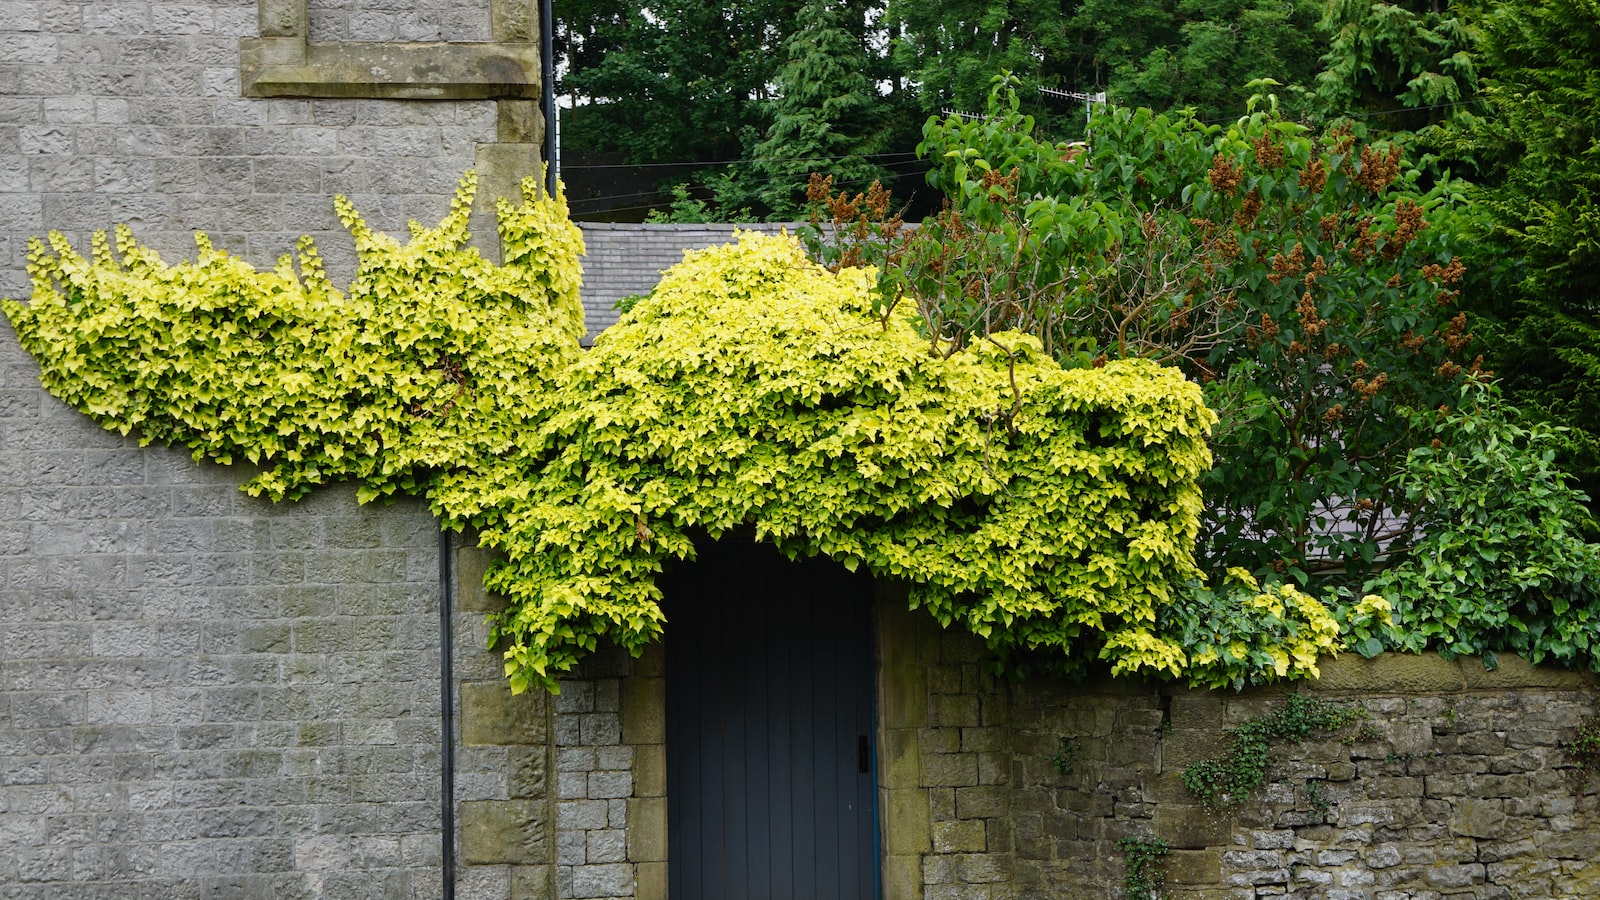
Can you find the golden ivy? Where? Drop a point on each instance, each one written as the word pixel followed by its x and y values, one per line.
pixel 1048 511
pixel 413 371
pixel 1040 508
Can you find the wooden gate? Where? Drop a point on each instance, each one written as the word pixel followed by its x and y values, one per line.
pixel 770 774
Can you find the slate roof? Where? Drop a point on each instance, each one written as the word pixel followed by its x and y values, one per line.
pixel 623 259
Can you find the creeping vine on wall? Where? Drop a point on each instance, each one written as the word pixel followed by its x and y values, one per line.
pixel 417 369
pixel 1051 512
pixel 1223 783
pixel 1042 509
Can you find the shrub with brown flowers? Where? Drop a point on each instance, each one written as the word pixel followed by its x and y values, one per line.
pixel 1307 281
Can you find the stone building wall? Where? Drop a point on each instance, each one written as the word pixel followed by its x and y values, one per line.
pixel 201 694
pixel 131 111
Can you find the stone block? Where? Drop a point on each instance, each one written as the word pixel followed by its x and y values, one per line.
pixel 949 769
pixel 525 772
pixel 609 880
pixel 644 711
pixel 954 710
pixel 470 565
pixel 492 715
pixel 652 881
pixel 532 883
pixel 600 728
pixel 1480 818
pixel 903 699
pixel 584 815
pixel 982 868
pixel 1191 827
pixel 982 802
pixel 902 877
pixel 608 845
pixel 503 831
pixel 1193 868
pixel 572 848
pixel 650 770
pixel 647 829
pixel 959 836
pixel 610 785
pixel 1391 673
pixel 906 823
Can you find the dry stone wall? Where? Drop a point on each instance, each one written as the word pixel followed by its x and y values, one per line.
pixel 1453 785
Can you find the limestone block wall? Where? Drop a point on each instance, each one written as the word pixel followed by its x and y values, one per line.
pixel 131 111
pixel 201 694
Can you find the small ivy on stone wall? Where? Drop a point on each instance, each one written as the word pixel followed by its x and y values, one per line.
pixel 1223 783
pixel 1051 512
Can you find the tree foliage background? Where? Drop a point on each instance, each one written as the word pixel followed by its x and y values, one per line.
pixel 741 86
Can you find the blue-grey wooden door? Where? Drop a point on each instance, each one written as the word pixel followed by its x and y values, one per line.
pixel 770 774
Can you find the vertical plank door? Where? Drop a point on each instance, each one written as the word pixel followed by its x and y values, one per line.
pixel 770 781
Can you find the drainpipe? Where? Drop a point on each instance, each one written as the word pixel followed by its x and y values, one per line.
pixel 447 742
pixel 547 100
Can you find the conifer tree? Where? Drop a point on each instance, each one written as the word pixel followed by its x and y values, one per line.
pixel 1544 139
pixel 822 117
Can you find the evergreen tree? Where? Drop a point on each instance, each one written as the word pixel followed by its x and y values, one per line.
pixel 948 51
pixel 681 81
pixel 1543 144
pixel 825 118
pixel 1407 64
pixel 1203 53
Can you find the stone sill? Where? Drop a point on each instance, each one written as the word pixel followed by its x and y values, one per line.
pixel 291 67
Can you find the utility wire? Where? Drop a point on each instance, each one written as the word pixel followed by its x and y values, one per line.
pixel 575 201
pixel 731 162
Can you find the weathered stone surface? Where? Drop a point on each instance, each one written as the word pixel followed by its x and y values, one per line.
pixel 491 714
pixel 203 694
pixel 503 831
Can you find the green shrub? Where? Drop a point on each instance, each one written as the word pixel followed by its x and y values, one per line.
pixel 1307 282
pixel 1504 561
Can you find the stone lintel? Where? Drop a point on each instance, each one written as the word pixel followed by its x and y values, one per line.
pixel 288 67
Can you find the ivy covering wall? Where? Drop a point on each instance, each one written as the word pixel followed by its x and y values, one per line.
pixel 1051 512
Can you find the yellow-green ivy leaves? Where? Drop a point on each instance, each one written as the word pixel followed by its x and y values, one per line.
pixel 418 370
pixel 1051 512
pixel 1039 508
